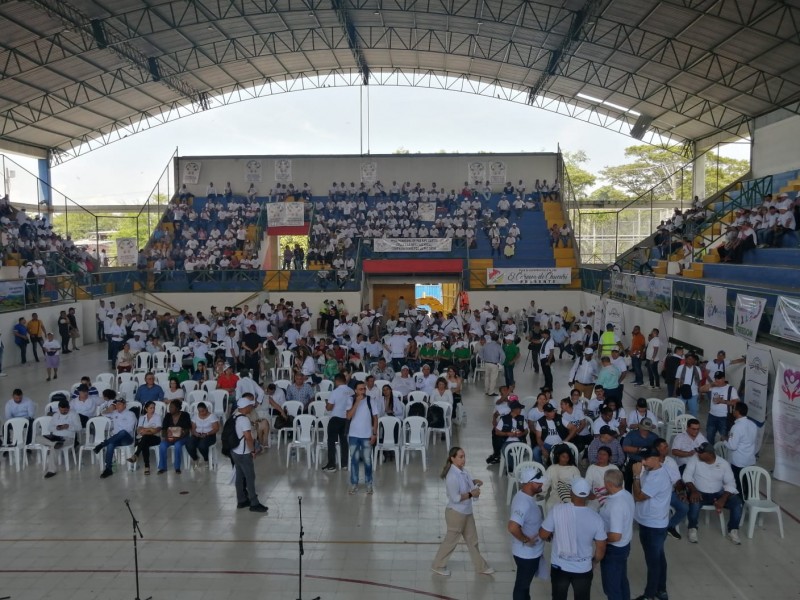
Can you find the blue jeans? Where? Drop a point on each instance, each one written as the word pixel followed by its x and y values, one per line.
pixel 692 405
pixel 360 450
pixel 176 456
pixel 614 572
pixel 734 506
pixel 121 438
pixel 508 371
pixel 526 571
pixel 681 508
pixel 716 425
pixel 636 365
pixel 537 453
pixel 652 540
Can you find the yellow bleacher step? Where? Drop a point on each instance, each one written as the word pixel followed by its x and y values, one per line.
pixel 567 262
pixel 481 263
pixel 691 274
pixel 477 279
pixel 661 267
pixel 711 257
pixel 277 281
pixel 563 252
pixel 790 188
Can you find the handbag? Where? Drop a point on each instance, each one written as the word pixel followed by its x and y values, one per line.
pixel 282 422
pixel 685 391
pixel 54 438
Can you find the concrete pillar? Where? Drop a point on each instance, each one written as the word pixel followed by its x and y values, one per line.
pixel 45 191
pixel 699 176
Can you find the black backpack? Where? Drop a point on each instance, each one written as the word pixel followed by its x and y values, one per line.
pixel 230 439
pixel 435 417
pixel 416 410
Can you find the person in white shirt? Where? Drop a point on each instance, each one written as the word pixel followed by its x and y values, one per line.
pixel 640 412
pixel 149 434
pixel 363 415
pixel 584 373
pixel 523 526
pixel 579 541
pixel 652 491
pixel 243 457
pixel 427 381
pixel 64 426
pixel 617 514
pixel 652 357
pixel 710 481
pixel 403 382
pixel 461 490
pixel 743 444
pixel 723 398
pixel 686 443
pixel 123 426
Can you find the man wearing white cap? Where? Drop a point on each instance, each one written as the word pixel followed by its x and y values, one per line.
pixel 243 455
pixel 579 541
pixel 584 373
pixel 523 525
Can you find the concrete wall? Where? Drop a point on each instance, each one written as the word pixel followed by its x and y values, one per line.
pixel 88 310
pixel 203 301
pixel 776 143
pixel 448 170
pixel 48 315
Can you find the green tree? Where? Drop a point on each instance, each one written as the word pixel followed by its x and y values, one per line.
pixel 580 179
pixel 651 168
pixel 721 171
pixel 608 194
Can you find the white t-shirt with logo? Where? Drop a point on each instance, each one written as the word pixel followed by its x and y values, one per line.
pixel 527 514
pixel 361 423
pixel 587 527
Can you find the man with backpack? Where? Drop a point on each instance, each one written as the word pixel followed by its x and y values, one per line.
pixel 239 445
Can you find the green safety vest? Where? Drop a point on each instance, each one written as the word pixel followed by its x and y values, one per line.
pixel 607 343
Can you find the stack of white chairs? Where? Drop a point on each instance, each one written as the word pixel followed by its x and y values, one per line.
pixel 16 430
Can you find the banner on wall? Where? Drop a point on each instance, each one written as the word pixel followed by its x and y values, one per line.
pixel 786 320
pixel 12 294
pixel 253 171
pixel 653 293
pixel 554 276
pixel 191 172
pixel 283 170
pixel 615 315
pixel 127 251
pixel 623 286
pixel 747 317
pixel 598 322
pixel 715 307
pixel 476 172
pixel 285 214
pixel 412 244
pixel 756 382
pixel 427 211
pixel 369 172
pixel 786 423
pixel 497 172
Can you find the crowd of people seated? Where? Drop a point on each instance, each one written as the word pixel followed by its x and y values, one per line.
pixel 215 238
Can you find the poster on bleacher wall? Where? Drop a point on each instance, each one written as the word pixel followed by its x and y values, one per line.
pixel 427 211
pixel 786 423
pixel 283 170
pixel 476 173
pixel 623 286
pixel 614 314
pixel 497 172
pixel 715 308
pixel 253 171
pixel 285 214
pixel 369 172
pixel 786 320
pixel 127 252
pixel 191 172
pixel 747 317
pixel 12 294
pixel 412 244
pixel 598 324
pixel 554 276
pixel 756 382
pixel 653 293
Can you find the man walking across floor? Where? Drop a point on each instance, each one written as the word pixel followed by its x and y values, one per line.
pixel 546 357
pixel 243 456
pixel 492 356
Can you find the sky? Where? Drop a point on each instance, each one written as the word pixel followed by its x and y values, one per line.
pixel 326 121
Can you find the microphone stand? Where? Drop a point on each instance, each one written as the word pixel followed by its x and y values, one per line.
pixel 136 531
pixel 302 552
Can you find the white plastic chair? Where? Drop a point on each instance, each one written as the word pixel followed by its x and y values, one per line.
pixel 162 379
pixel 220 400
pixel 677 426
pixel 721 450
pixel 447 410
pixel 196 396
pixel 17 431
pixel 386 441
pixel 292 408
pixel 417 396
pixel 513 482
pixel 576 454
pixel 96 432
pixel 104 381
pixel 518 452
pixel 51 408
pixel 379 383
pixel 479 368
pixel 138 377
pixel 415 438
pixel 317 408
pixel 753 503
pixel 656 406
pixel 210 385
pixel 407 409
pixel 285 367
pixel 322 396
pixel 142 362
pixel 159 361
pixel 161 409
pixel 671 408
pixel 302 438
pixel 360 376
pixel 283 384
pixel 41 426
pixel 326 385
pixel 710 508
pixel 127 390
pixel 124 378
pixel 321 440
pixel 189 386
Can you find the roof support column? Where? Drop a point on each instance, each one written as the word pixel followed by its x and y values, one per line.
pixel 45 189
pixel 699 175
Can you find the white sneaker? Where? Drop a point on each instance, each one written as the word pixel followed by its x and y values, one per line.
pixel 3 374
pixel 442 572
pixel 693 536
pixel 733 535
pixel 488 571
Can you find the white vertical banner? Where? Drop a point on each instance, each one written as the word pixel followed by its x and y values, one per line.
pixel 497 172
pixel 476 172
pixel 191 171
pixel 598 323
pixel 615 315
pixel 786 423
pixel 427 211
pixel 127 251
pixel 253 171
pixel 283 170
pixel 747 317
pixel 715 307
pixel 665 332
pixel 369 172
pixel 756 382
pixel 786 320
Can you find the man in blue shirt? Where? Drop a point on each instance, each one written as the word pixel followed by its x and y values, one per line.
pixel 560 337
pixel 149 391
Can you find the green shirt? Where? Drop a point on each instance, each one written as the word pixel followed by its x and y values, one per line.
pixel 511 351
pixel 608 377
pixel 462 353
pixel 427 351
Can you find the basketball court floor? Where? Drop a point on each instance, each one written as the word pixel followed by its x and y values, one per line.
pixel 69 537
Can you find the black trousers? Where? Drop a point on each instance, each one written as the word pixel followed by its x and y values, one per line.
pixel 548 373
pixel 337 432
pixel 581 584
